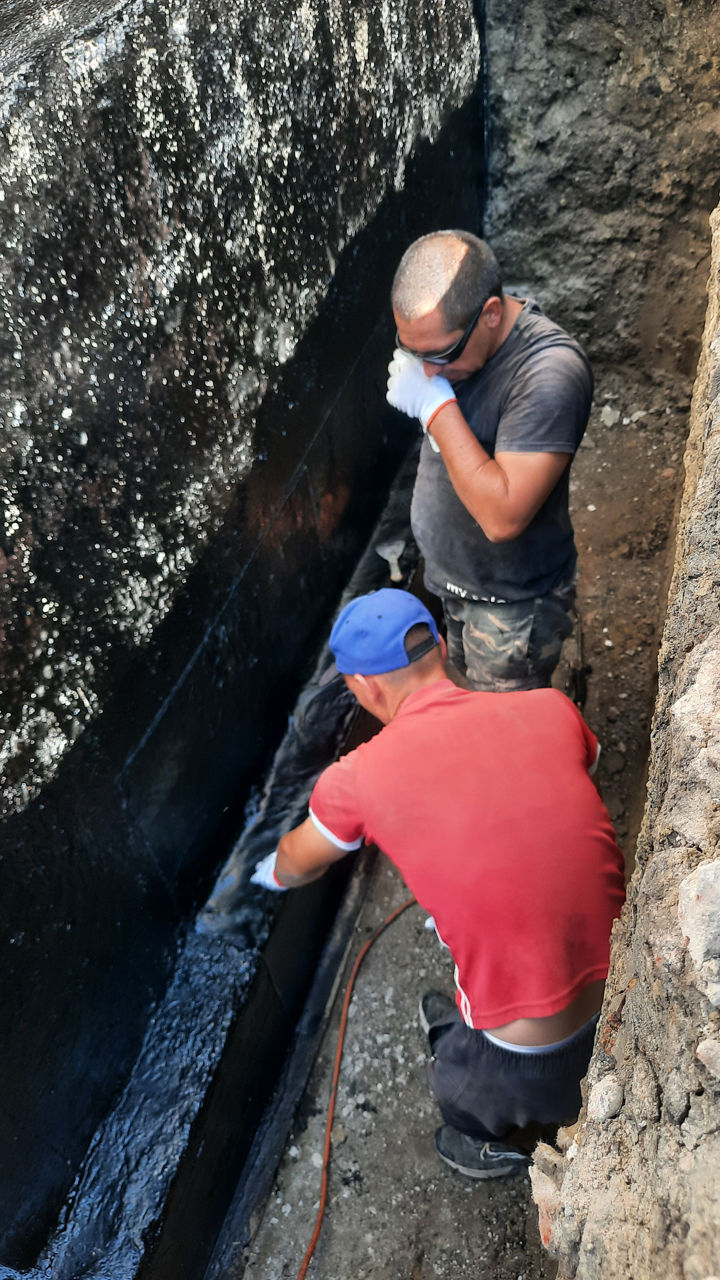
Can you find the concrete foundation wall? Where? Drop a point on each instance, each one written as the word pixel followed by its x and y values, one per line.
pixel 201 205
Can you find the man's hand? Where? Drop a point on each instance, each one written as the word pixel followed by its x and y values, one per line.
pixel 410 390
pixel 264 874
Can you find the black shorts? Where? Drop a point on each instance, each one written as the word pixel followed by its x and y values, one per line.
pixel 487 1091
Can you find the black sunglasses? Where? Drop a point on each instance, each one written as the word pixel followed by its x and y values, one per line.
pixel 450 353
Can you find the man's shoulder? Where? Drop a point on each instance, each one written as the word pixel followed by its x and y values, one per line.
pixel 535 331
pixel 555 708
pixel 407 733
pixel 537 353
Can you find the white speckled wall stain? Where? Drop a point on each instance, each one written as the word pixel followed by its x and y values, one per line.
pixel 177 186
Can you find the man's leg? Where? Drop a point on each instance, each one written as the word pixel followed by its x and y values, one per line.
pixel 507 647
pixel 455 666
pixel 486 1093
pixel 463 1089
pixel 469 1082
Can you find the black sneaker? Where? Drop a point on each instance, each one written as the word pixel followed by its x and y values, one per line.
pixel 476 1157
pixel 435 1007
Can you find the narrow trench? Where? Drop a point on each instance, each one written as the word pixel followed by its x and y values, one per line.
pixel 392 1211
pixel 627 482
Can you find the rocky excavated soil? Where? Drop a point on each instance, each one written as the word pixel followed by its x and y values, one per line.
pixel 626 480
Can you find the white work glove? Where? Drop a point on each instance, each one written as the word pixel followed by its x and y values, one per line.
pixel 410 390
pixel 431 925
pixel 264 874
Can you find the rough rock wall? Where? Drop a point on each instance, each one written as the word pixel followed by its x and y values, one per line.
pixel 638 1191
pixel 604 171
pixel 603 150
pixel 201 203
pixel 177 187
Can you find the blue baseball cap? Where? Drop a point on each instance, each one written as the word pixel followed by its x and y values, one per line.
pixel 369 635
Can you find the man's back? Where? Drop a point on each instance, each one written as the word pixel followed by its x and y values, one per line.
pixel 484 803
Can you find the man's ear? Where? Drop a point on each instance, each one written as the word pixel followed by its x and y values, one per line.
pixel 493 312
pixel 372 690
pixel 365 689
pixel 443 649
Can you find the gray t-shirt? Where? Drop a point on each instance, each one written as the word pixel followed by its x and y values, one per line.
pixel 532 396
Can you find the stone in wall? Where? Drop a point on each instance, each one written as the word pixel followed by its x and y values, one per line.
pixel 637 1193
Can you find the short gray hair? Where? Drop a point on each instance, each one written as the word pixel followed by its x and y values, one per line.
pixel 454 270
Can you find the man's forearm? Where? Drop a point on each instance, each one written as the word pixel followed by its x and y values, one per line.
pixel 478 481
pixel 303 855
pixel 502 493
pixel 290 875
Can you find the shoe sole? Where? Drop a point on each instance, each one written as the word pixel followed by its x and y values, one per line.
pixel 510 1171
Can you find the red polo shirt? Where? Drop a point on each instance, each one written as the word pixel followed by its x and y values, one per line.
pixel 484 803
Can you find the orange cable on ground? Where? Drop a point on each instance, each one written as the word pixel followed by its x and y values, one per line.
pixel 336 1076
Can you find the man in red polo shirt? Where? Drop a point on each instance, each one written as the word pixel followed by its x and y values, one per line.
pixel 485 804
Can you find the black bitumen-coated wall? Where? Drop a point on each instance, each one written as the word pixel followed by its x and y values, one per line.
pixel 201 206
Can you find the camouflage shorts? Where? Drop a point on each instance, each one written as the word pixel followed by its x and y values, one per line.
pixel 502 647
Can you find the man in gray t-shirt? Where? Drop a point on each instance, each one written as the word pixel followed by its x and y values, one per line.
pixel 503 395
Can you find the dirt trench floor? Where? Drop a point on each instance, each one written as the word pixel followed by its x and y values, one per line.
pixel 395 1212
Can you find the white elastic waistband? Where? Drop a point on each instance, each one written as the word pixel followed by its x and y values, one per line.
pixel 542 1048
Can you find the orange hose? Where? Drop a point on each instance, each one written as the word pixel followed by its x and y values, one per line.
pixel 336 1076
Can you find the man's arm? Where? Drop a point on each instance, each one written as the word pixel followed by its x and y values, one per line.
pixel 502 493
pixel 304 854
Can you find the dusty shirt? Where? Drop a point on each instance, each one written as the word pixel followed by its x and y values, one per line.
pixel 532 396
